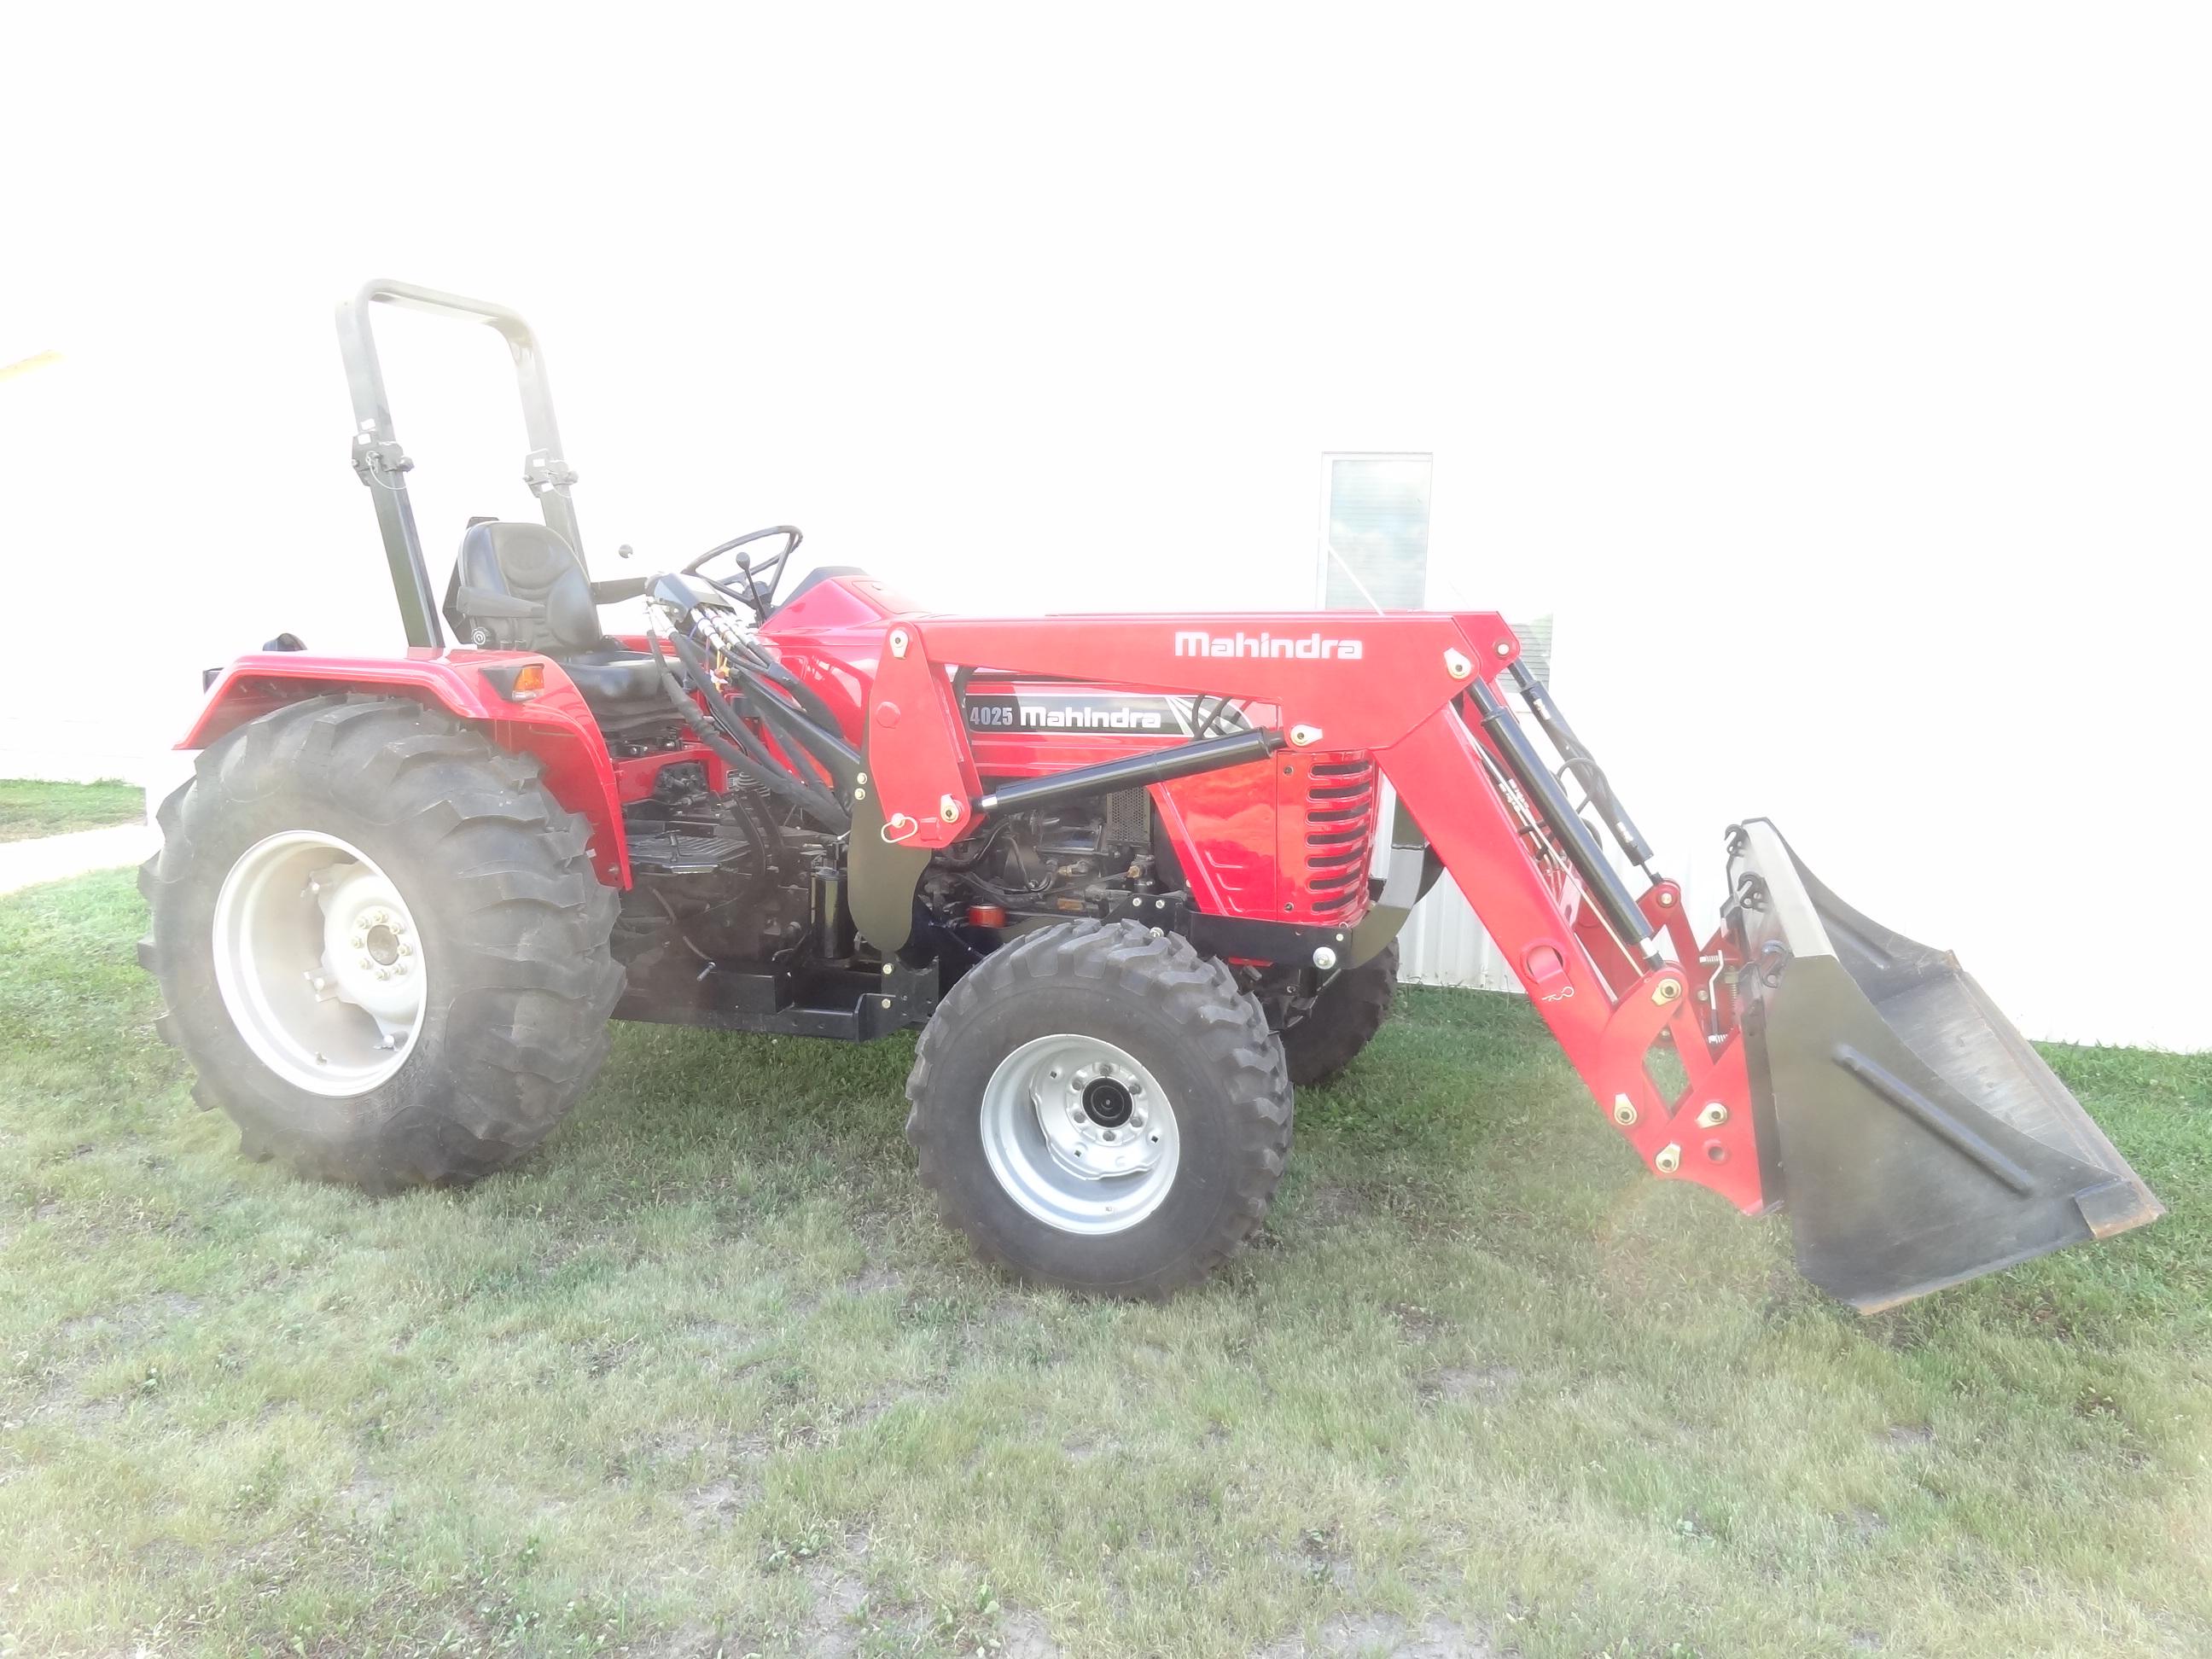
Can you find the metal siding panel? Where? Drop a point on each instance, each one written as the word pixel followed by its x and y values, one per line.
pixel 1444 944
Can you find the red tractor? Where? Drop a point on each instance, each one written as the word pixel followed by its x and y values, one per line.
pixel 1131 876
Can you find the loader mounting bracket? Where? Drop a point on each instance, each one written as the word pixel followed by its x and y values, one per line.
pixel 1235 937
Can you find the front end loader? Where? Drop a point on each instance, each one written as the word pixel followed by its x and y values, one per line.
pixel 1134 878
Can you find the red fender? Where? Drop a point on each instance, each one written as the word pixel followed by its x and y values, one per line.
pixel 555 724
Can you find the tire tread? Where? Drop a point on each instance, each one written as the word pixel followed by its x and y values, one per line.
pixel 1196 992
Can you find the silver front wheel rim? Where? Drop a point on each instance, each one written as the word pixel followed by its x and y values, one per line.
pixel 319 963
pixel 1079 1133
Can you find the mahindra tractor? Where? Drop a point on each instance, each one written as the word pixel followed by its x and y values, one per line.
pixel 1135 879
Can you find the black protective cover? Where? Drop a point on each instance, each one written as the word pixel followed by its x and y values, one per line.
pixel 1918 1139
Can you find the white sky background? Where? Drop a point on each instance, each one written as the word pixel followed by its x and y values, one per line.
pixel 1839 378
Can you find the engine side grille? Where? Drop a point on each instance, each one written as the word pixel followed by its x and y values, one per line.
pixel 1129 815
pixel 1340 801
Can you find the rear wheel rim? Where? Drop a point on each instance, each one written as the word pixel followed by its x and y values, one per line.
pixel 320 964
pixel 1080 1134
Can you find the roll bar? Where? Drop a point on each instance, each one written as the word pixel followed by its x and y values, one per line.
pixel 382 465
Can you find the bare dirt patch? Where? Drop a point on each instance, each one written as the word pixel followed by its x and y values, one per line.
pixel 874 1282
pixel 1383 1636
pixel 1471 1382
pixel 834 1625
pixel 1416 1324
pixel 1327 1205
pixel 1022 1636
pixel 365 1497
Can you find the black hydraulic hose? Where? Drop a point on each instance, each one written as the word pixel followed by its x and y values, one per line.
pixel 775 773
pixel 776 673
pixel 1546 708
pixel 837 757
pixel 745 795
pixel 1602 881
pixel 735 745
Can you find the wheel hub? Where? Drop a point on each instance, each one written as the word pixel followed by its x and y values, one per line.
pixel 1107 1102
pixel 1079 1133
pixel 318 962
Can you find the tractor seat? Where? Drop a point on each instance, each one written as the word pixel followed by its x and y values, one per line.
pixel 520 587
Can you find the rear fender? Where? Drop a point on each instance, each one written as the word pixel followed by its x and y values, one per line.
pixel 555 726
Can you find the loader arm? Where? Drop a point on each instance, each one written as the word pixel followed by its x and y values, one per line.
pixel 1396 686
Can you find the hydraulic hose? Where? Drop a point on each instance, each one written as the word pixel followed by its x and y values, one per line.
pixel 724 732
pixel 834 755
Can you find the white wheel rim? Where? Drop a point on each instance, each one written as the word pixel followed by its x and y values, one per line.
pixel 320 964
pixel 1079 1133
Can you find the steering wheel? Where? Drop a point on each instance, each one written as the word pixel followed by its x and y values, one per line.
pixel 760 582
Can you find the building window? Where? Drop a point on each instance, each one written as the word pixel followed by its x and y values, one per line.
pixel 1375 532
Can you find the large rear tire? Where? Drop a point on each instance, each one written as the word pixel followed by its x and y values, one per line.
pixel 382 944
pixel 1343 1020
pixel 1101 1109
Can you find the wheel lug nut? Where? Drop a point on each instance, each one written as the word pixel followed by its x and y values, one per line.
pixel 406 950
pixel 359 939
pixel 1106 1135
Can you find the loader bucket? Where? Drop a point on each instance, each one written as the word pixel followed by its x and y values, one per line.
pixel 1915 1138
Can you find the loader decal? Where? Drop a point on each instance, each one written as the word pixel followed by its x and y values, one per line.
pixel 1197 642
pixel 1062 711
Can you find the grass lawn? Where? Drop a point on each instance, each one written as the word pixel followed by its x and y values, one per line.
pixel 706 1376
pixel 30 808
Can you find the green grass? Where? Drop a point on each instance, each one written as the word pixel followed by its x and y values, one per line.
pixel 707 1376
pixel 30 808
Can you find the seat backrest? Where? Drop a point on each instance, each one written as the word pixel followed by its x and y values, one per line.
pixel 520 587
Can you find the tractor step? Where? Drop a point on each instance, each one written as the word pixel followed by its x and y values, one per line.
pixel 667 850
pixel 673 987
pixel 1918 1139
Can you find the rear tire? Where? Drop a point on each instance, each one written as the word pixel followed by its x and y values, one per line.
pixel 321 858
pixel 1343 1020
pixel 1092 1042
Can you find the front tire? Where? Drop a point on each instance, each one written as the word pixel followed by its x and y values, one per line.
pixel 382 944
pixel 1343 1019
pixel 1101 1109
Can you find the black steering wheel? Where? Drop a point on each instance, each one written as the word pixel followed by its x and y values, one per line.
pixel 761 580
